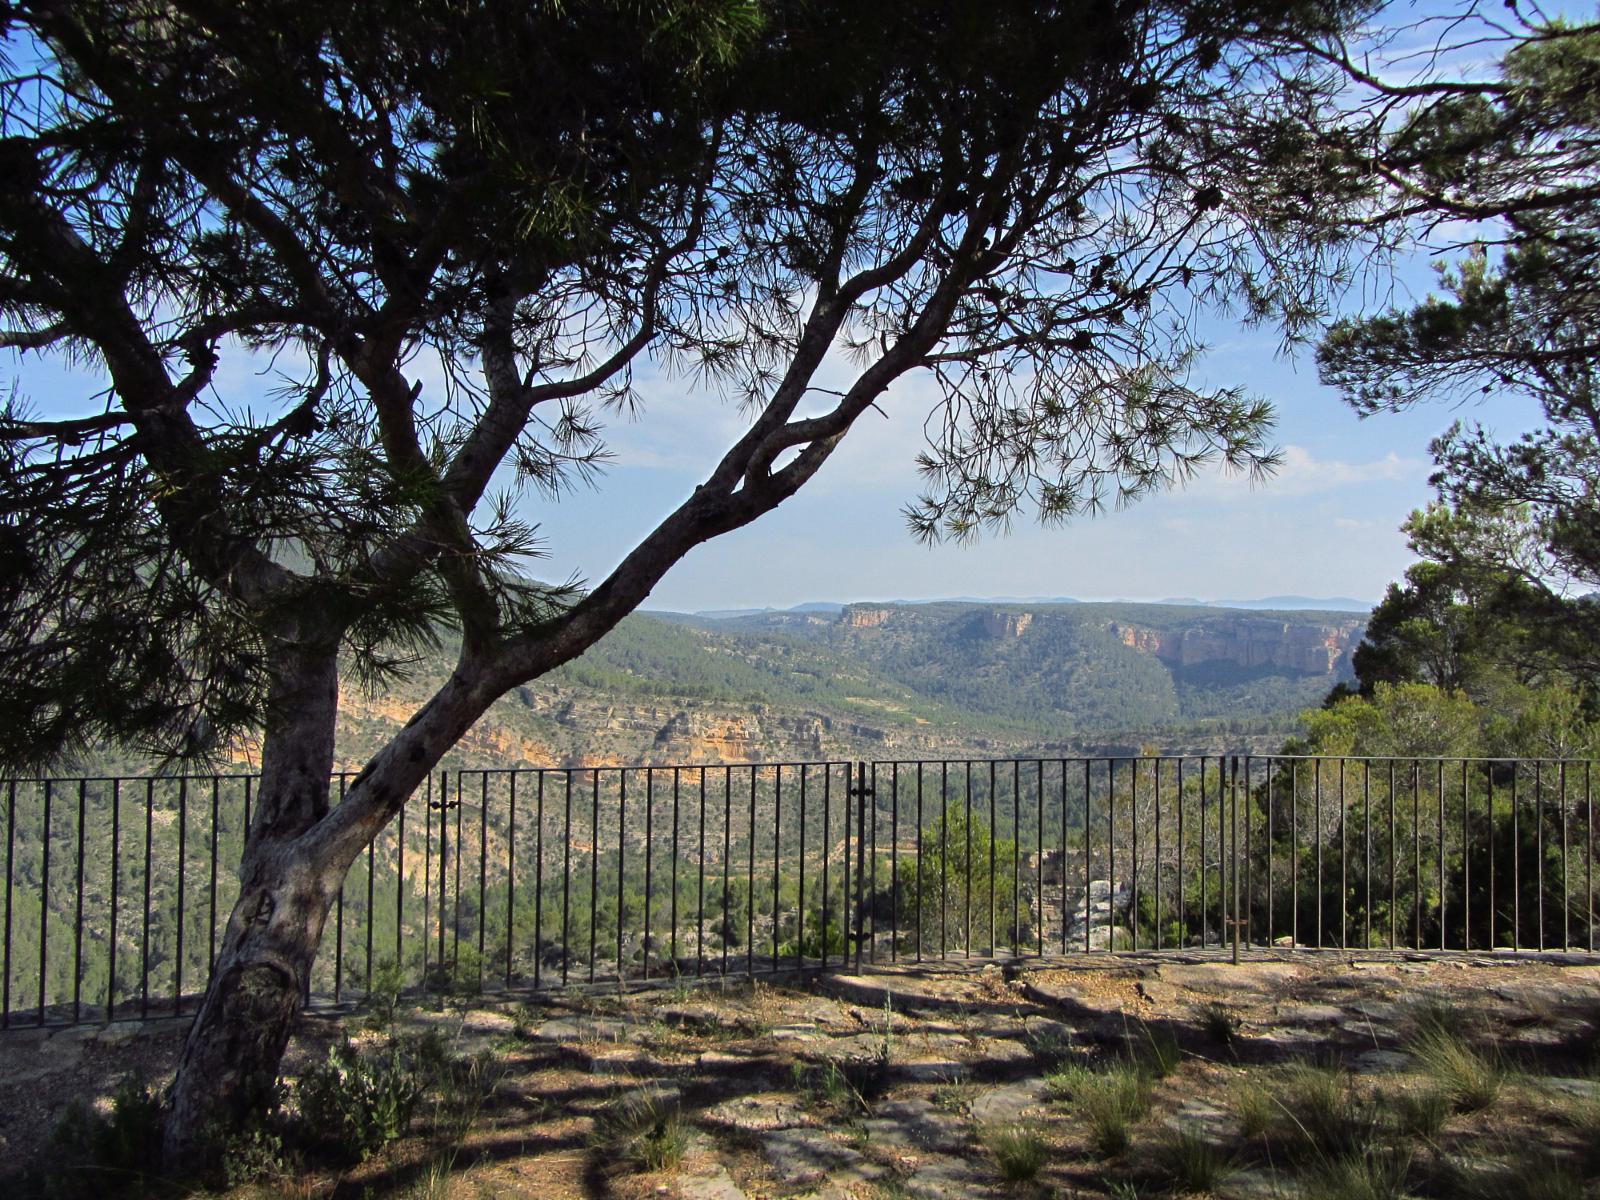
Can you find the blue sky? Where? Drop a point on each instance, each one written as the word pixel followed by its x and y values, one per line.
pixel 1326 525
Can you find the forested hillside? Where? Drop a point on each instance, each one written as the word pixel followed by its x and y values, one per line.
pixel 909 680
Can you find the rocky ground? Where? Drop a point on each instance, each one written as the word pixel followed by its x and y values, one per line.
pixel 921 1082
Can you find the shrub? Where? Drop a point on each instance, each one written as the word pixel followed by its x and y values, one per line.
pixel 1217 1023
pixel 1156 1051
pixel 354 1103
pixel 1252 1106
pixel 85 1147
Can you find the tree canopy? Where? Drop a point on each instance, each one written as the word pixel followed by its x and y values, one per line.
pixel 1502 170
pixel 456 232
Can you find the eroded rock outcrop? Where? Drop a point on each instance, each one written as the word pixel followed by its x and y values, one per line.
pixel 1310 648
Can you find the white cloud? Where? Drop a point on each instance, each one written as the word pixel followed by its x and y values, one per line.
pixel 1303 474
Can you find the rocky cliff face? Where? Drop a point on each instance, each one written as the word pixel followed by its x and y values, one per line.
pixel 1006 624
pixel 864 618
pixel 1308 648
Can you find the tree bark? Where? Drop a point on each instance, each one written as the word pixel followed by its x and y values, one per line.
pixel 230 1059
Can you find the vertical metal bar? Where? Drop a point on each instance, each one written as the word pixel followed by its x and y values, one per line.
pixel 44 893
pixel 1588 825
pixel 1466 861
pixel 1183 907
pixel 1249 877
pixel 1494 913
pixel 1224 863
pixel 1439 786
pixel 1205 895
pixel 894 862
pixel 1316 832
pixel 1344 865
pixel 427 882
pixel 1064 892
pixel 944 856
pixel 1157 853
pixel 649 855
pixel 116 878
pixel 872 890
pixel 1294 853
pixel 455 915
pixel 1233 839
pixel 566 883
pixel 622 854
pixel 444 858
pixel 538 881
pixel 994 838
pixel 917 883
pixel 144 956
pixel 1394 903
pixel 183 831
pixel 1538 842
pixel 1038 845
pixel 727 859
pixel 1566 890
pixel 594 869
pixel 1516 862
pixel 847 911
pixel 1416 853
pixel 676 802
pixel 77 920
pixel 11 901
pixel 777 837
pixel 511 872
pixel 861 850
pixel 1088 838
pixel 1272 928
pixel 700 907
pixel 827 851
pixel 1366 811
pixel 1111 854
pixel 1016 854
pixel 750 886
pixel 483 866
pixel 338 925
pixel 800 899
pixel 1133 829
pixel 211 954
pixel 966 891
pixel 400 889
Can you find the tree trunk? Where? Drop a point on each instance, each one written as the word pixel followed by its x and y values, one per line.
pixel 230 1059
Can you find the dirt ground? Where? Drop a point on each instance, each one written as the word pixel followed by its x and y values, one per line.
pixel 890 1083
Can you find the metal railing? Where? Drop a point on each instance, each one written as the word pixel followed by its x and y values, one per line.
pixel 117 889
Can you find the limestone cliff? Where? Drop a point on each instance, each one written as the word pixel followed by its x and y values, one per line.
pixel 1309 648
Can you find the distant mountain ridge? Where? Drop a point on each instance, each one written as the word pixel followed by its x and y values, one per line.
pixel 1347 604
pixel 915 681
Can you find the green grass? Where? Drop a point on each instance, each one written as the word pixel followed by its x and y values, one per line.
pixel 1470 1078
pixel 1193 1163
pixel 1421 1113
pixel 1253 1106
pixel 1019 1152
pixel 1111 1104
pixel 1322 1112
pixel 1217 1022
pixel 1370 1174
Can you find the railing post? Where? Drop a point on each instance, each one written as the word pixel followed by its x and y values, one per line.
pixel 862 792
pixel 1233 851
